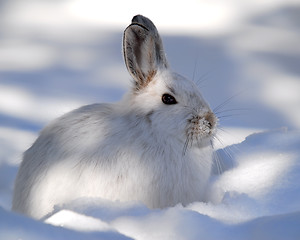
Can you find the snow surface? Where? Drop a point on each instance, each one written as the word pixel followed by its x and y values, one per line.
pixel 58 55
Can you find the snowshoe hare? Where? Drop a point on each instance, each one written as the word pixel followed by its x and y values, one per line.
pixel 154 146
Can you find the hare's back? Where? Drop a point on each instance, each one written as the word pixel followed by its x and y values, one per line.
pixel 72 134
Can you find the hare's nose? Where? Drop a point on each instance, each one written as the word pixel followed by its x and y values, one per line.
pixel 211 119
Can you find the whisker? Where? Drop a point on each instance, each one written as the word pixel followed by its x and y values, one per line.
pixel 233 110
pixel 217 138
pixel 203 78
pixel 212 144
pixel 216 159
pixel 227 150
pixel 220 106
pixel 191 140
pixel 217 162
pixel 198 141
pixel 231 115
pixel 223 130
pixel 186 144
pixel 195 67
pixel 233 148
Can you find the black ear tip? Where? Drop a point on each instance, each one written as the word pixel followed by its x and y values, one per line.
pixel 146 22
pixel 138 19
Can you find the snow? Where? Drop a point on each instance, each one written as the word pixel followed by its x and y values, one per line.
pixel 19 227
pixel 58 55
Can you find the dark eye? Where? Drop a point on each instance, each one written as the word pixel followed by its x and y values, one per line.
pixel 168 99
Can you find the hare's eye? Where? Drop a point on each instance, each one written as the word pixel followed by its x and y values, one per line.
pixel 168 99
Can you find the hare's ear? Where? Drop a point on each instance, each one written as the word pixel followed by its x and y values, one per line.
pixel 143 51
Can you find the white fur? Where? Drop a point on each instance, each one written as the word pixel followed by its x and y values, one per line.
pixel 128 151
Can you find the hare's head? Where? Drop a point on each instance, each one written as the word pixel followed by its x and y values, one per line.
pixel 171 105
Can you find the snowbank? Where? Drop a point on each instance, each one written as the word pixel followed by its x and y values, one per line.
pixel 255 197
pixel 13 226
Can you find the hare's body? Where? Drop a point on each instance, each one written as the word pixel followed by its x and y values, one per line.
pixel 77 169
pixel 149 147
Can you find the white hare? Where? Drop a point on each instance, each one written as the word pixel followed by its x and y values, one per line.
pixel 154 146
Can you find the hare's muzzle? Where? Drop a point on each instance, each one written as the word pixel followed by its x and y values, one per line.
pixel 211 120
pixel 201 125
